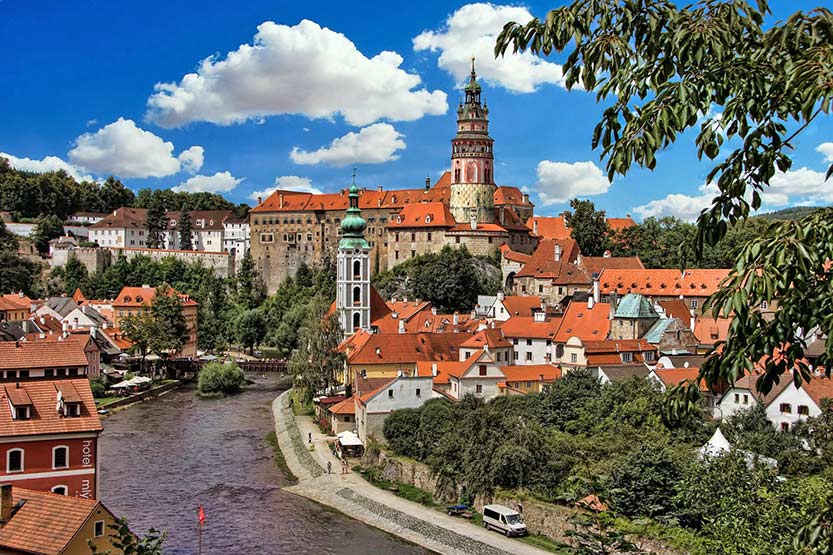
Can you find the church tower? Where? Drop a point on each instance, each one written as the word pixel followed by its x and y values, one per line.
pixel 353 267
pixel 472 160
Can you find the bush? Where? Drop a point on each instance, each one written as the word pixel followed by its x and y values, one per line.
pixel 218 379
pixel 98 388
pixel 644 484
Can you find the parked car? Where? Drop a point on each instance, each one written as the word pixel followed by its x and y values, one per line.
pixel 503 519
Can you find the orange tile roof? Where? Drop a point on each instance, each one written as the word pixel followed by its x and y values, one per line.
pixel 46 523
pixel 444 180
pixel 490 337
pixel 45 419
pixel 676 309
pixel 509 195
pixel 521 305
pixel 7 304
pixel 542 264
pixel 711 330
pixel 549 228
pixel 481 228
pixel 423 215
pixel 661 282
pixel 78 296
pixel 25 355
pixel 363 399
pixel 527 327
pixel 818 388
pixel 347 406
pixel 143 296
pixel 426 368
pixel 23 301
pixel 596 264
pixel 405 348
pixel 616 345
pixel 584 323
pixel 118 338
pixel 617 224
pixel 514 256
pixel 672 377
pixel 531 373
pixel 405 310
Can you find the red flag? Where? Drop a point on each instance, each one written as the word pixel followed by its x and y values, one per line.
pixel 202 516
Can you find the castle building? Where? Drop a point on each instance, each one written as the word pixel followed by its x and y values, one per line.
pixel 464 207
pixel 353 270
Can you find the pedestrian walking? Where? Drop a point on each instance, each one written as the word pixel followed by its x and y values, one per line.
pixel 329 467
pixel 310 437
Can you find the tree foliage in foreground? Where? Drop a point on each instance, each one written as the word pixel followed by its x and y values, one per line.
pixel 659 67
pixel 217 378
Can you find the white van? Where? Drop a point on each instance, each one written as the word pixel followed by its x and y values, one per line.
pixel 503 519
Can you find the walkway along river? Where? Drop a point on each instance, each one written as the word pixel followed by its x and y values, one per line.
pixel 160 459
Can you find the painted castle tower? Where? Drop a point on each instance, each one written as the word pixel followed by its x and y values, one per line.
pixel 353 267
pixel 472 160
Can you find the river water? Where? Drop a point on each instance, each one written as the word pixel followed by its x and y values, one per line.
pixel 162 458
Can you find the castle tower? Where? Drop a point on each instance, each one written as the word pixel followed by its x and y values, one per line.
pixel 472 160
pixel 353 267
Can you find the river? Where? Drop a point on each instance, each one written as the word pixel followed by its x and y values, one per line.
pixel 162 458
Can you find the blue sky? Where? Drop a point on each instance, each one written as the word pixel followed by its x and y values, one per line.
pixel 100 88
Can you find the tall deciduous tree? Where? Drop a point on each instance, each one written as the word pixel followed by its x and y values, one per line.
pixel 249 290
pixel 251 329
pixel 185 237
pixel 169 320
pixel 662 67
pixel 48 228
pixel 588 227
pixel 157 221
pixel 316 363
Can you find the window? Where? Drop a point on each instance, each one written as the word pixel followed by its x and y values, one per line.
pixel 649 356
pixel 390 393
pixel 540 288
pixel 515 355
pixel 99 528
pixel 21 413
pixel 786 408
pixel 694 303
pixel 737 398
pixel 357 269
pixel 764 305
pixel 627 357
pixel 803 410
pixel 413 253
pixel 529 342
pixel 529 357
pixel 745 399
pixel 60 490
pixel 785 427
pixel 482 369
pixel 357 295
pixel 419 392
pixel 413 237
pixel 396 253
pixel 515 341
pixel 573 358
pixel 429 236
pixel 479 388
pixel 14 460
pixel 357 321
pixel 60 457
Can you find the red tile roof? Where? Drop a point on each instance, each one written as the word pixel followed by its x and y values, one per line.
pixel 549 228
pixel 617 224
pixel 711 330
pixel 514 256
pixel 661 282
pixel 25 355
pixel 46 523
pixel 584 323
pixel 143 296
pixel 596 264
pixel 818 388
pixel 531 373
pixel 525 327
pixel 407 348
pixel 44 418
pixel 490 337
pixel 672 377
pixel 130 218
pixel 542 264
pixel 676 309
pixel 118 338
pixel 509 195
pixel 426 368
pixel 23 301
pixel 363 399
pixel 347 406
pixel 405 310
pixel 423 215
pixel 521 305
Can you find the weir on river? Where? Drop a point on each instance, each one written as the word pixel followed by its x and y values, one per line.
pixel 162 458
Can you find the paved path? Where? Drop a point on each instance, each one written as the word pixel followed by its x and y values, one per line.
pixel 354 496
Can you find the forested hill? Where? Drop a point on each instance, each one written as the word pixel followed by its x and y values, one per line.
pixel 792 213
pixel 33 195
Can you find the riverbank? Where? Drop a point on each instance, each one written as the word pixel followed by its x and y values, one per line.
pixel 353 496
pixel 130 400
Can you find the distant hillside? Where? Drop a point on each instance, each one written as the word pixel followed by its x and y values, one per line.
pixel 792 213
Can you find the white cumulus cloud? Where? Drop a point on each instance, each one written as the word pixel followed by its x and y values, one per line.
pixel 288 183
pixel 305 69
pixel 220 182
pixel 374 144
pixel 471 32
pixel 560 181
pixel 48 164
pixel 827 150
pixel 192 159
pixel 123 149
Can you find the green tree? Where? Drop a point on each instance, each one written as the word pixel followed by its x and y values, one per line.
pixel 157 221
pixel 249 290
pixel 251 329
pixel 18 274
pixel 316 363
pixel 48 228
pixel 398 430
pixel 220 379
pixel 123 541
pixel 72 275
pixel 112 195
pixel 446 280
pixel 663 66
pixel 169 322
pixel 140 329
pixel 588 227
pixel 185 236
pixel 8 240
pixel 644 484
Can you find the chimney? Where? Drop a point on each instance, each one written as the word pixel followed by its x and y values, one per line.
pixel 115 212
pixel 590 302
pixel 20 294
pixel 535 227
pixel 596 291
pixel 526 198
pixel 500 296
pixel 64 327
pixel 473 221
pixel 456 318
pixel 93 332
pixel 578 259
pixel 281 199
pixel 6 504
pixel 401 326
pixel 502 216
pixel 434 310
pixel 427 183
pixel 693 319
pixel 557 252
pixel 75 323
pixel 434 370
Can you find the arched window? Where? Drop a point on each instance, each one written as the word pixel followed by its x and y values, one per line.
pixel 60 457
pixel 14 460
pixel 357 295
pixel 60 490
pixel 357 321
pixel 357 269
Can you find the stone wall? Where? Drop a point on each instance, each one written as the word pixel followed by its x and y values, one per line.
pixel 98 259
pixel 407 471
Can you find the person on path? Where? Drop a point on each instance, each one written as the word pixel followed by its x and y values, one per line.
pixel 310 437
pixel 329 467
